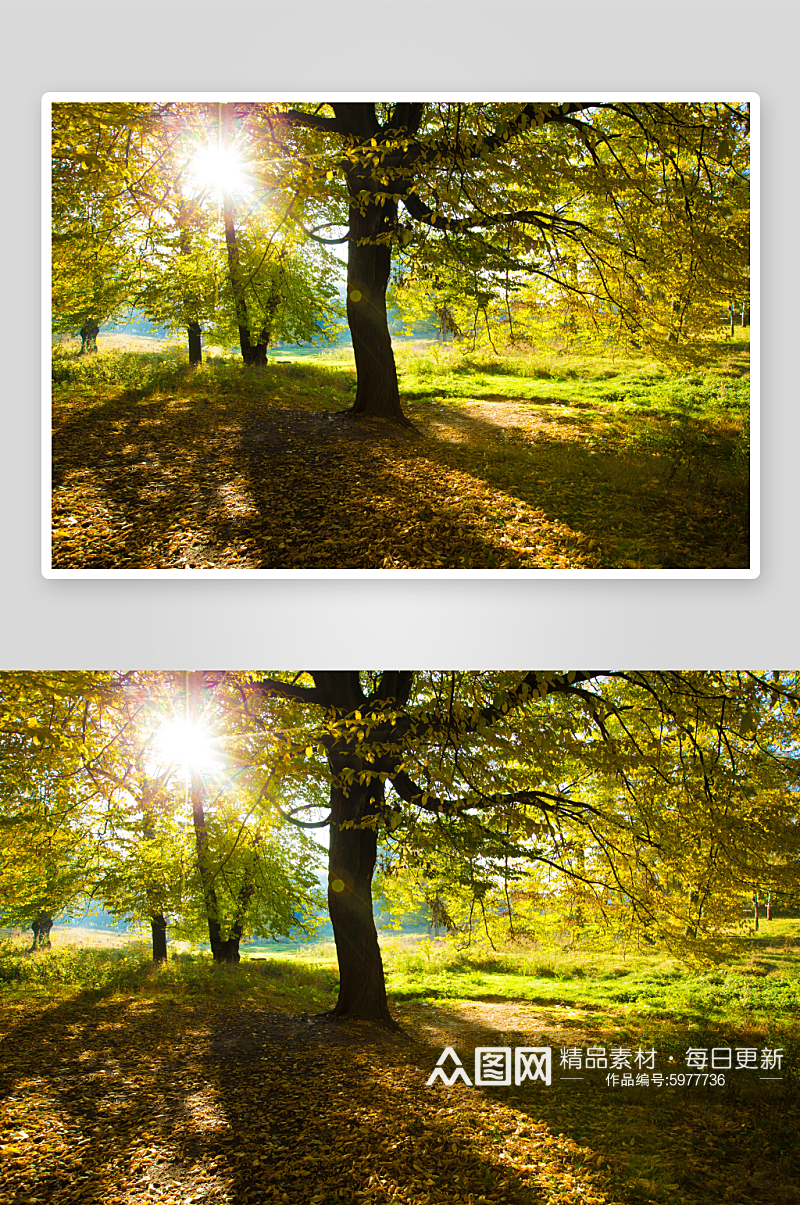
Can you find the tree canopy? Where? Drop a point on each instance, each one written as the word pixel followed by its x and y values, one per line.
pixel 628 216
pixel 153 209
pixel 644 803
pixel 109 796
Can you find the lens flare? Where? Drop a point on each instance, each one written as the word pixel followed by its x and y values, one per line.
pixel 220 170
pixel 186 745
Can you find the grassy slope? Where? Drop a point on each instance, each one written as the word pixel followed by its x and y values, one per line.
pixel 200 1040
pixel 525 462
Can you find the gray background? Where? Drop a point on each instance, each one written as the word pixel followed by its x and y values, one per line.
pixel 433 47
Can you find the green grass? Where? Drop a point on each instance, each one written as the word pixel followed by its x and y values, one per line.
pixel 297 984
pixel 703 413
pixel 758 988
pixel 147 374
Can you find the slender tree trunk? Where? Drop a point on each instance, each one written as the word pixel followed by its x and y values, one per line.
pixel 195 343
pixel 193 329
pixel 693 921
pixel 351 863
pixel 158 923
pixel 769 905
pixel 158 929
pixel 368 268
pixel 235 274
pixel 222 949
pixel 577 916
pixel 254 355
pixel 258 352
pixel 755 909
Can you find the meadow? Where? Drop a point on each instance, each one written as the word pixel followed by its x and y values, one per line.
pixel 123 1081
pixel 544 460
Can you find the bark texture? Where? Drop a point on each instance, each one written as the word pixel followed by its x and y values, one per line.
pixel 351 865
pixel 368 268
pixel 358 769
pixel 357 804
pixel 369 261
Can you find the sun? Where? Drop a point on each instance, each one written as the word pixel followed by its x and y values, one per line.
pixel 219 170
pixel 185 745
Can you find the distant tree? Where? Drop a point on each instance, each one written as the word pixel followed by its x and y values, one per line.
pixel 186 840
pixel 96 151
pixel 154 208
pixel 48 812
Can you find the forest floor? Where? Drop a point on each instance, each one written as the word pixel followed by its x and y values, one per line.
pixel 182 1087
pixel 510 465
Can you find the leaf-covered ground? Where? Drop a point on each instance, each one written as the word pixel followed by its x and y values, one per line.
pixel 115 1098
pixel 154 468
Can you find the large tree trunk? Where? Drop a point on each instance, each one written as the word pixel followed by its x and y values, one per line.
pixel 357 801
pixel 373 227
pixel 258 352
pixel 223 949
pixel 357 809
pixel 368 268
pixel 351 863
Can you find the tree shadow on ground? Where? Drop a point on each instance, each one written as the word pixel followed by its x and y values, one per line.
pixel 124 1100
pixel 110 1098
pixel 640 1143
pixel 678 498
pixel 173 481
